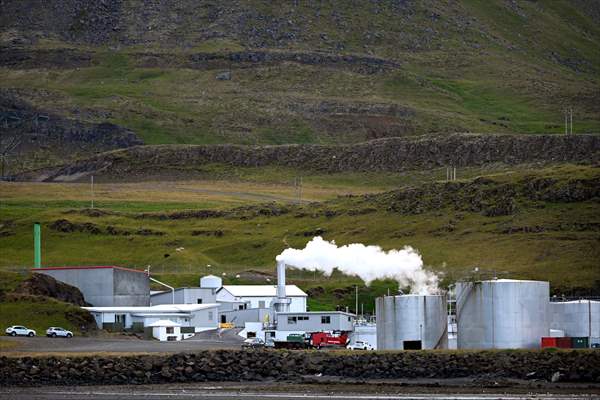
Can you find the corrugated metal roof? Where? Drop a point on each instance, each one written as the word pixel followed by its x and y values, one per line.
pixel 161 308
pixel 88 267
pixel 262 290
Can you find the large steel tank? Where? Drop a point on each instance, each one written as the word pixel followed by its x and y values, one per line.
pixel 412 321
pixel 578 318
pixel 502 314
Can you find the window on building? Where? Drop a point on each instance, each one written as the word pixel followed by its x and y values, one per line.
pixel 303 318
pixel 261 304
pixel 199 301
pixel 241 307
pixel 170 329
pixel 291 320
pixel 251 335
pixel 325 319
pixel 210 315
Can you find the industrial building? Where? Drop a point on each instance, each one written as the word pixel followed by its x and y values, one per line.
pixel 412 322
pixel 315 321
pixel 186 295
pixel 105 286
pixel 191 317
pixel 262 296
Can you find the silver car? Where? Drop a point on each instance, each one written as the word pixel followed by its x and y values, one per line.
pixel 55 331
pixel 19 330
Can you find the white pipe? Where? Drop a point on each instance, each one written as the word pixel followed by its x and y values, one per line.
pixel 164 284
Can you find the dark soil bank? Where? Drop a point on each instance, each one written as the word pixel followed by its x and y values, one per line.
pixel 231 365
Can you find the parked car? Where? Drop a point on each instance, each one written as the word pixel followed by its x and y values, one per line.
pixel 595 345
pixel 253 343
pixel 19 330
pixel 55 331
pixel 360 345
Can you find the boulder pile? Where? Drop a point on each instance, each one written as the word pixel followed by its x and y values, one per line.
pixel 262 365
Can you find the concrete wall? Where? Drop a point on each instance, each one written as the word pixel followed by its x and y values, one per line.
pixel 106 287
pixel 339 322
pixel 185 296
pixel 207 318
pixel 96 285
pixel 131 288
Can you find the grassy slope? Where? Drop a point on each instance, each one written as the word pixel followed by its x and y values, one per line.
pixel 493 74
pixel 37 314
pixel 567 256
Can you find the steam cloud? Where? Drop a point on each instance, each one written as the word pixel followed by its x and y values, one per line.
pixel 367 262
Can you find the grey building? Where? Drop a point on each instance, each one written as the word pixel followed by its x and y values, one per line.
pixel 240 317
pixel 192 317
pixel 185 295
pixel 105 286
pixel 315 321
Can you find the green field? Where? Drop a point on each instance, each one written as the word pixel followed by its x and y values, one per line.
pixel 550 234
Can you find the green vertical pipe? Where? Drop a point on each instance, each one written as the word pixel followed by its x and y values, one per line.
pixel 37 245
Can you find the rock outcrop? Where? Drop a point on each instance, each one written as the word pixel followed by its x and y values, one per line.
pixel 45 285
pixel 396 154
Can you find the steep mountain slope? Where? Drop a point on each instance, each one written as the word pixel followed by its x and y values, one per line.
pixel 257 72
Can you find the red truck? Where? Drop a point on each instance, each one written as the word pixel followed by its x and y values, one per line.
pixel 316 340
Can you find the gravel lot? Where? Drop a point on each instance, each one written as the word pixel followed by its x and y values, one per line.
pixel 79 344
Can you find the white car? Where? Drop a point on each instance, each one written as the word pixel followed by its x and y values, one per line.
pixel 19 330
pixel 360 345
pixel 55 331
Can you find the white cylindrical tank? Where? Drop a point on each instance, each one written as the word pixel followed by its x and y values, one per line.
pixel 211 282
pixel 502 314
pixel 580 318
pixel 412 321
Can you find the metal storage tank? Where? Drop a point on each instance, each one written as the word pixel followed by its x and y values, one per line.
pixel 502 314
pixel 412 321
pixel 211 282
pixel 580 318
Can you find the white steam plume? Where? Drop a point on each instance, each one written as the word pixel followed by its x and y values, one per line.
pixel 367 262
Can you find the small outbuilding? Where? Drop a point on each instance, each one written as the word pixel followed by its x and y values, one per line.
pixel 165 330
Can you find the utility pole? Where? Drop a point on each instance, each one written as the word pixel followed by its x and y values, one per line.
pixel 356 305
pixel 569 121
pixel 571 117
pixel 92 189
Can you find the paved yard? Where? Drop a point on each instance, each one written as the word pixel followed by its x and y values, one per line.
pixel 202 341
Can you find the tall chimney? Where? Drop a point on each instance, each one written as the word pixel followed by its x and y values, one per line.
pixel 281 279
pixel 37 245
pixel 281 303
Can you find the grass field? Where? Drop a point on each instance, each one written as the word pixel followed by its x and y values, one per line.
pixel 544 239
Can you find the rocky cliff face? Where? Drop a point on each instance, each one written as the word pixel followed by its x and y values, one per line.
pixel 380 155
pixel 28 133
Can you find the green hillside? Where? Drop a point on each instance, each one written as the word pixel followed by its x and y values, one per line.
pixel 539 225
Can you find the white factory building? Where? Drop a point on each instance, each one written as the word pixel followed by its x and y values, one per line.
pixel 261 296
pixel 191 317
